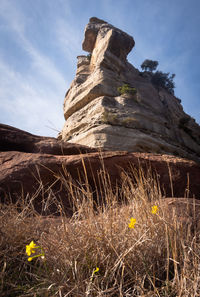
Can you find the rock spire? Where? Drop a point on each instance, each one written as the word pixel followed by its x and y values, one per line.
pixel 100 114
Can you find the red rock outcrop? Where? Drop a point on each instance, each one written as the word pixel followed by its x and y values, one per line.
pixel 13 139
pixel 33 168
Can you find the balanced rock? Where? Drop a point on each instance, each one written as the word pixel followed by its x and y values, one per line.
pixel 99 116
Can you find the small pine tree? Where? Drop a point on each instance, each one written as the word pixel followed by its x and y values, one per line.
pixel 149 65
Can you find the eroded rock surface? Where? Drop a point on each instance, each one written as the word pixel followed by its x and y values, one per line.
pixel 97 115
pixel 31 170
pixel 13 139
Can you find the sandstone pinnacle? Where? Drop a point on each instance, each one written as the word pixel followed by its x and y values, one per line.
pixel 100 114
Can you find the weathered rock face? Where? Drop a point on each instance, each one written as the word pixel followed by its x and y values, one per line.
pixel 34 166
pixel 97 115
pixel 13 139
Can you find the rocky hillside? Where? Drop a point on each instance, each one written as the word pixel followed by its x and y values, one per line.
pixel 97 114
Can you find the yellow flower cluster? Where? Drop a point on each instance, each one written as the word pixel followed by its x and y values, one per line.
pixel 154 209
pixel 30 249
pixel 133 221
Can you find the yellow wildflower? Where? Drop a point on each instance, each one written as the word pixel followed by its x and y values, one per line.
pixel 132 223
pixel 30 248
pixel 96 270
pixel 154 209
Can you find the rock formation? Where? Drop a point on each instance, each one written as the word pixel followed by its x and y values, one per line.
pixel 13 139
pixel 97 115
pixel 41 167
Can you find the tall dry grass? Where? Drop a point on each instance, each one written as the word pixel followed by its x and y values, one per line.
pixel 160 256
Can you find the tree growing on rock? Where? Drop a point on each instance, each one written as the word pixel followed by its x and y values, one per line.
pixel 159 79
pixel 149 65
pixel 163 80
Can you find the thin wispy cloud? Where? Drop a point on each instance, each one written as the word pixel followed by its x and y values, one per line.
pixel 15 20
pixel 69 40
pixel 31 107
pixel 40 63
pixel 35 98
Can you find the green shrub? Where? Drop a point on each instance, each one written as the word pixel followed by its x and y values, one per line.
pixel 126 89
pixel 163 80
pixel 159 79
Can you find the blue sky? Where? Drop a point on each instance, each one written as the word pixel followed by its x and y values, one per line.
pixel 40 40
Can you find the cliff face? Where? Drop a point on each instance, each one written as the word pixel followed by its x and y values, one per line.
pixel 97 115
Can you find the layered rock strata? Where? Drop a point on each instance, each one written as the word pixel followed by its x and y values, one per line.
pixel 97 115
pixel 42 170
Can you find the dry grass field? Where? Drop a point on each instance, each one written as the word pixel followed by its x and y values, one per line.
pixel 125 243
